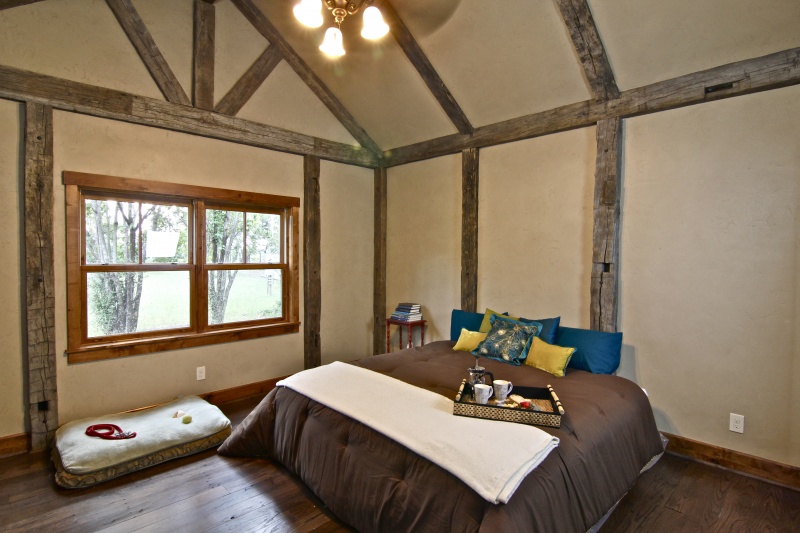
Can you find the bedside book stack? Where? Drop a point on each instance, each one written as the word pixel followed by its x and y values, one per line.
pixel 407 312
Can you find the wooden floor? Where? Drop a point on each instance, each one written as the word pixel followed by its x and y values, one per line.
pixel 207 492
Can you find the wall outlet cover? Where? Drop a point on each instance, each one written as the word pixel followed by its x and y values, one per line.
pixel 737 423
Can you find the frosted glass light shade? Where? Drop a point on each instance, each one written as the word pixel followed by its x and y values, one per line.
pixel 332 45
pixel 374 26
pixel 309 13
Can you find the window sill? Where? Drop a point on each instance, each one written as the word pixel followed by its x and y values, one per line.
pixel 99 352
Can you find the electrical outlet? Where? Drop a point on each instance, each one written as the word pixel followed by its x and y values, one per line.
pixel 737 423
pixel 201 373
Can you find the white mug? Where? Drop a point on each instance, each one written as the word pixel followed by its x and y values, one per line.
pixel 482 393
pixel 502 389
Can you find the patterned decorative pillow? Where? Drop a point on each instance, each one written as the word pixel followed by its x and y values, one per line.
pixel 508 340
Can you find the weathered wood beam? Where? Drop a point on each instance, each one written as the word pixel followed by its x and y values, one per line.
pixel 250 81
pixel 145 46
pixel 312 281
pixel 8 4
pixel 586 40
pixel 605 235
pixel 469 230
pixel 265 28
pixel 22 85
pixel 379 264
pixel 203 57
pixel 40 275
pixel 764 73
pixel 429 75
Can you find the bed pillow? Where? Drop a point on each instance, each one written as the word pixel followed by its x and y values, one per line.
pixel 469 340
pixel 549 328
pixel 486 323
pixel 508 341
pixel 464 320
pixel 548 357
pixel 597 352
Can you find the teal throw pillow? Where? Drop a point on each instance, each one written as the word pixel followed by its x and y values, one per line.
pixel 597 352
pixel 508 341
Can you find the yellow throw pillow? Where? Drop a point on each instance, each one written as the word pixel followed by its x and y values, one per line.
pixel 486 325
pixel 549 357
pixel 469 340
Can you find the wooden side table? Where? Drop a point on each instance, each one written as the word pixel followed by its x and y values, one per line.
pixel 410 328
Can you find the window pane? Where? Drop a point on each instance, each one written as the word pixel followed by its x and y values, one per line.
pixel 239 295
pixel 129 302
pixel 224 231
pixel 263 238
pixel 112 232
pixel 165 233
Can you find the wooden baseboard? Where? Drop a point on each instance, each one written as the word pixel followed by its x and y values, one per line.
pixel 14 444
pixel 767 469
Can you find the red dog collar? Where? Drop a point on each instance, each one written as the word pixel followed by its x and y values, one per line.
pixel 109 432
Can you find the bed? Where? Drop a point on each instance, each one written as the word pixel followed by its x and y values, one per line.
pixel 607 437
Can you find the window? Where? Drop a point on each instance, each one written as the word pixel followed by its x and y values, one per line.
pixel 154 266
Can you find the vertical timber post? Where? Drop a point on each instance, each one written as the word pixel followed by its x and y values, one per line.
pixel 605 235
pixel 469 229
pixel 379 265
pixel 203 60
pixel 39 275
pixel 312 282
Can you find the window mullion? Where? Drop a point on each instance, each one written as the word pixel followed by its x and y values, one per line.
pixel 201 275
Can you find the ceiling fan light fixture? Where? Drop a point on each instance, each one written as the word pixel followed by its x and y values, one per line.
pixel 309 13
pixel 332 44
pixel 374 26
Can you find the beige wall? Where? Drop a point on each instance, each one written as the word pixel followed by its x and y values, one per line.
pixel 12 404
pixel 709 285
pixel 346 205
pixel 535 227
pixel 424 242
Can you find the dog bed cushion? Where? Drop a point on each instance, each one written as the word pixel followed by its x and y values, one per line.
pixel 82 461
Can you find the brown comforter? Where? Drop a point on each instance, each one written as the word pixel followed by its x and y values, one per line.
pixel 369 481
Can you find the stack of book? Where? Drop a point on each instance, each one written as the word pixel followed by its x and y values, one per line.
pixel 407 312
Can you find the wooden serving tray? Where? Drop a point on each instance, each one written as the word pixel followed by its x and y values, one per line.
pixel 544 398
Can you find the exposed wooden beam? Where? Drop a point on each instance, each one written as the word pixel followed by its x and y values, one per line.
pixel 429 75
pixel 265 28
pixel 605 235
pixel 145 46
pixel 250 81
pixel 312 281
pixel 586 40
pixel 379 264
pixel 764 73
pixel 469 230
pixel 39 275
pixel 22 85
pixel 203 57
pixel 8 4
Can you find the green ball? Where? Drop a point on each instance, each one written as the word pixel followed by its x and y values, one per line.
pixel 186 419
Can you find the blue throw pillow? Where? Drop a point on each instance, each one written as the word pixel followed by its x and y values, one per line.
pixel 597 352
pixel 464 319
pixel 549 328
pixel 508 341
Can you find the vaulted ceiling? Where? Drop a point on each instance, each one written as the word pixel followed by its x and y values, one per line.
pixel 495 60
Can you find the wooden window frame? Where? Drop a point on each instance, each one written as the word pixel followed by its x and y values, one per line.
pixel 81 348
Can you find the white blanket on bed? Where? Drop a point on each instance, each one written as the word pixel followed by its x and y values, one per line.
pixel 491 457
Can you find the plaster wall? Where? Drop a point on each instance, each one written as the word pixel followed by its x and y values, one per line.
pixel 346 212
pixel 535 227
pixel 709 263
pixel 424 242
pixel 12 404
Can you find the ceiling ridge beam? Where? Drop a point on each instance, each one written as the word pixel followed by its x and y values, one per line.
pixel 8 4
pixel 66 95
pixel 414 53
pixel 583 32
pixel 204 35
pixel 265 28
pixel 139 36
pixel 248 84
pixel 773 71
